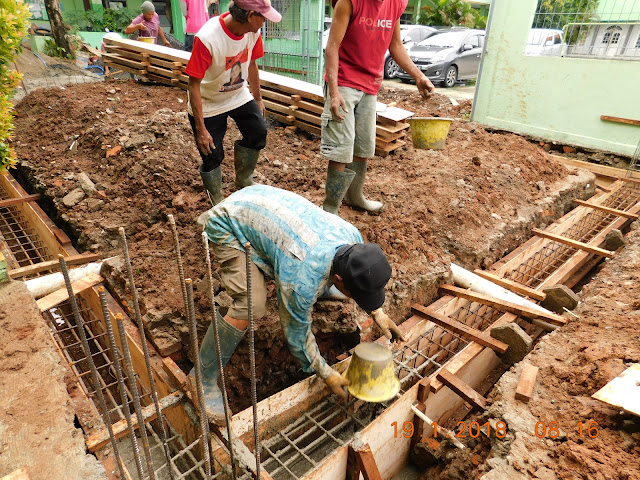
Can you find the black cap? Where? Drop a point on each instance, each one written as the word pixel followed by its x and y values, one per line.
pixel 365 271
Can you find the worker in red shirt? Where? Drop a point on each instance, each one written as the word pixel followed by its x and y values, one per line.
pixel 361 32
pixel 224 57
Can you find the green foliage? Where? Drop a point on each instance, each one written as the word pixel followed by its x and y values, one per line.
pixel 558 13
pixel 98 21
pixel 449 13
pixel 52 49
pixel 14 21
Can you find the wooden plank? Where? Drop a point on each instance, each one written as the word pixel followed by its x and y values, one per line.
pixel 504 306
pixel 592 167
pixel 60 295
pixel 366 462
pixel 276 107
pixel 572 243
pixel 614 211
pixel 394 114
pixel 160 51
pixel 129 54
pixel 460 328
pixel 14 201
pixel 100 437
pixel 628 121
pixel 623 391
pixel 121 61
pixel 462 389
pixel 53 265
pixel 21 474
pixel 515 287
pixel 135 71
pixel 167 73
pixel 524 390
pixel 281 83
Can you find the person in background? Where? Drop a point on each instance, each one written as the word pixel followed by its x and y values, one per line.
pixel 223 59
pixel 103 48
pixel 147 24
pixel 195 12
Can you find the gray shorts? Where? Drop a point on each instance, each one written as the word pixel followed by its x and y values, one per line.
pixel 356 134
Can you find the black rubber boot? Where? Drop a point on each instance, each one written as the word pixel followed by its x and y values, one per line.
pixel 245 160
pixel 212 182
pixel 336 186
pixel 354 196
pixel 230 337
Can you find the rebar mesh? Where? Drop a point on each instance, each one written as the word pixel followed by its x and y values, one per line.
pixel 589 28
pixel 634 167
pixel 23 242
pixel 63 327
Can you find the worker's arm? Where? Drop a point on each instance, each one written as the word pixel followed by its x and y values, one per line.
pixel 134 27
pixel 341 16
pixel 254 84
pixel 401 57
pixel 203 138
pixel 164 39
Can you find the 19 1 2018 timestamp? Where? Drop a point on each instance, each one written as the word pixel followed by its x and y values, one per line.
pixel 463 429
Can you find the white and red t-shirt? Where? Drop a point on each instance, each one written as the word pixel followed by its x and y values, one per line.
pixel 221 59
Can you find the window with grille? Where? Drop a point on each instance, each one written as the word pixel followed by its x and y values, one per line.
pixel 588 28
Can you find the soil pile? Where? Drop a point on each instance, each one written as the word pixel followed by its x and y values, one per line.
pixel 135 145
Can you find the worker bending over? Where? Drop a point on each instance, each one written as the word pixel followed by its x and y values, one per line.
pixel 306 250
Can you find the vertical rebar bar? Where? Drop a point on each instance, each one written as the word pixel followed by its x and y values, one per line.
pixel 133 388
pixel 195 351
pixel 145 350
pixel 92 365
pixel 252 357
pixel 176 243
pixel 216 334
pixel 121 386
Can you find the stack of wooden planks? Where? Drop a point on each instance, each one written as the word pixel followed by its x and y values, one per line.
pixel 290 101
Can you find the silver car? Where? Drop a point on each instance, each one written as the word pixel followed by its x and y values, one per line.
pixel 411 35
pixel 448 56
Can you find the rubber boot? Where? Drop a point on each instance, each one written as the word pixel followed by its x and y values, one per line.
pixel 354 196
pixel 212 182
pixel 245 160
pixel 230 337
pixel 336 186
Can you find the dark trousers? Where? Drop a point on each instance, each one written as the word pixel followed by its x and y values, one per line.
pixel 188 41
pixel 250 122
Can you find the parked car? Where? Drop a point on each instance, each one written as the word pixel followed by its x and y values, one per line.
pixel 544 41
pixel 447 56
pixel 411 35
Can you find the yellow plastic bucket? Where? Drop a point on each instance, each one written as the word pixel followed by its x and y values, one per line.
pixel 147 39
pixel 371 373
pixel 430 132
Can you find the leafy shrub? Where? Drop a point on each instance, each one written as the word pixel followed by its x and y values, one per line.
pixel 14 21
pixel 450 13
pixel 98 21
pixel 52 49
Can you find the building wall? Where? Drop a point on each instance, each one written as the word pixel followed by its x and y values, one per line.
pixel 557 98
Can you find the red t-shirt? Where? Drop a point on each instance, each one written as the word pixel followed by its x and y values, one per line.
pixel 368 36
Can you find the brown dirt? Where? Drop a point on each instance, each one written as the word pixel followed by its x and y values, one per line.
pixel 574 362
pixel 467 201
pixel 37 416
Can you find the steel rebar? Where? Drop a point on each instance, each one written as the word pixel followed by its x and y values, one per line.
pixel 176 243
pixel 204 421
pixel 252 358
pixel 121 385
pixel 133 388
pixel 92 365
pixel 145 350
pixel 216 335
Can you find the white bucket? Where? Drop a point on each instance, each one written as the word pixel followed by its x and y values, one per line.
pixel 82 59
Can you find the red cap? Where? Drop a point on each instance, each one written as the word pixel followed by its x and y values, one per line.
pixel 263 7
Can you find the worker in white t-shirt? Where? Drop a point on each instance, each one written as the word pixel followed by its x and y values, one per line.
pixel 223 59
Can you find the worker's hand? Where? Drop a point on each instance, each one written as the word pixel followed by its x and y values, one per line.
pixel 167 43
pixel 141 26
pixel 336 103
pixel 204 141
pixel 425 87
pixel 261 107
pixel 388 326
pixel 336 384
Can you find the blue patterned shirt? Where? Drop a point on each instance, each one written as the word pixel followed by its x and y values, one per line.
pixel 294 242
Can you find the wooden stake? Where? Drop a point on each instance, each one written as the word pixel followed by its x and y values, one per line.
pixel 614 211
pixel 462 389
pixel 501 305
pixel 572 243
pixel 366 463
pixel 14 201
pixel 53 264
pixel 515 287
pixel 60 295
pixel 460 328
pixel 524 390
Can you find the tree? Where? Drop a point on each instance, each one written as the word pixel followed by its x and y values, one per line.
pixel 14 18
pixel 449 13
pixel 58 28
pixel 556 14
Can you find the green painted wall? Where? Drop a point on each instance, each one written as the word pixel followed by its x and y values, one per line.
pixel 553 97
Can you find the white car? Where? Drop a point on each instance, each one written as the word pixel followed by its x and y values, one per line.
pixel 544 41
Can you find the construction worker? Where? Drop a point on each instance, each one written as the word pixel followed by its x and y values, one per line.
pixel 307 251
pixel 196 15
pixel 353 76
pixel 226 45
pixel 147 24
